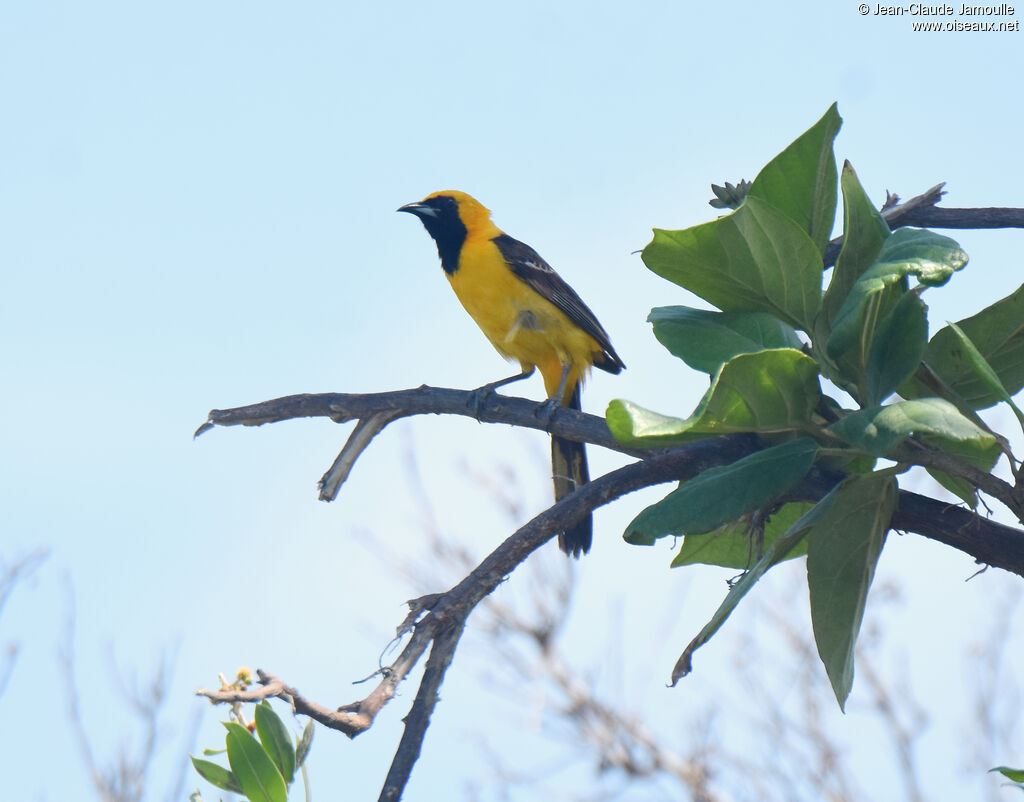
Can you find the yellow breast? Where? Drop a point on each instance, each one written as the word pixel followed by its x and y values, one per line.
pixel 520 323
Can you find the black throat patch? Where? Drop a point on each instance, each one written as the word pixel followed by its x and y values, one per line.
pixel 448 231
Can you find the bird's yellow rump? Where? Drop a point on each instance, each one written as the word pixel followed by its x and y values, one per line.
pixel 529 314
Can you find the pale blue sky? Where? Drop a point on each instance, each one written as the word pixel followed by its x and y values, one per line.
pixel 197 210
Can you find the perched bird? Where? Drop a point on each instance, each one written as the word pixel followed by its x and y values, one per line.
pixel 529 314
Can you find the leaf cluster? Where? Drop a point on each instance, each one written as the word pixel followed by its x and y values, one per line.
pixel 261 769
pixel 831 376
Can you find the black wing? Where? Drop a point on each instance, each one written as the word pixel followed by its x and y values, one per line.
pixel 527 264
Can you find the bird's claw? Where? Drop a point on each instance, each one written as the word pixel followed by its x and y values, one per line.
pixel 477 397
pixel 546 411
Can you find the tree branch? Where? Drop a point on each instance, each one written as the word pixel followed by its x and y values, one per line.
pixel 350 722
pixel 922 211
pixel 423 400
pixel 361 437
pixel 988 542
pixel 418 720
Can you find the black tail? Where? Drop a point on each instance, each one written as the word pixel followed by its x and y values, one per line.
pixel 570 471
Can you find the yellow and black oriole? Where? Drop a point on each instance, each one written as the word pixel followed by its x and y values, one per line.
pixel 529 314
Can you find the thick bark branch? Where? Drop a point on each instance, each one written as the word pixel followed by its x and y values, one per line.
pixel 985 540
pixel 424 400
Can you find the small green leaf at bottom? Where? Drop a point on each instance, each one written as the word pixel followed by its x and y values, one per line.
pixel 217 775
pixel 252 766
pixel 1017 775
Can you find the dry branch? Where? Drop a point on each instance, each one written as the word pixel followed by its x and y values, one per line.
pixel 922 211
pixel 988 542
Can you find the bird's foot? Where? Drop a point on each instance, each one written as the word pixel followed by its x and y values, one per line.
pixel 546 411
pixel 479 396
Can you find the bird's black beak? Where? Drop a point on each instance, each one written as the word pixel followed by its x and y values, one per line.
pixel 419 209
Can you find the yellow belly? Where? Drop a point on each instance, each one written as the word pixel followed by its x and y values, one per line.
pixel 520 323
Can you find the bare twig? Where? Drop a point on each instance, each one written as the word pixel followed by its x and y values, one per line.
pixel 350 720
pixel 362 435
pixel 996 689
pixel 904 720
pixel 922 211
pixel 18 571
pixel 126 779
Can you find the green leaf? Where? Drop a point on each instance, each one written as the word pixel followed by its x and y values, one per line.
pixel 957 486
pixel 305 743
pixel 753 260
pixel 731 547
pixel 864 233
pixel 1017 775
pixel 878 430
pixel 870 300
pixel 721 495
pixel 252 766
pixel 706 340
pixel 217 775
pixel 981 453
pixel 997 333
pixel 897 349
pixel 775 552
pixel 983 371
pixel 929 257
pixel 767 391
pixel 275 739
pixel 801 181
pixel 843 548
pixel 632 424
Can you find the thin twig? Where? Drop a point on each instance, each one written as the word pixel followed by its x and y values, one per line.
pixel 921 211
pixel 17 572
pixel 361 437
